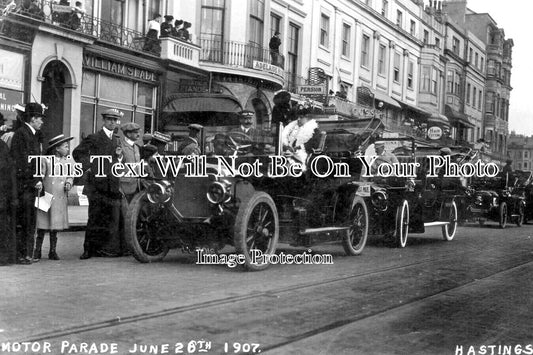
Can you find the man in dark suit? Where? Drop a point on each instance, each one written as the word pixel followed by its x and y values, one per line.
pixel 249 136
pixel 191 146
pixel 26 142
pixel 103 192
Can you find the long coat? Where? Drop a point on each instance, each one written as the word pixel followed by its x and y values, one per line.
pixel 24 144
pixel 8 196
pixel 57 216
pixel 99 144
pixel 132 154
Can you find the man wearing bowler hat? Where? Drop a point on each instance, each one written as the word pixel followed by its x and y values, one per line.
pixel 103 192
pixel 25 143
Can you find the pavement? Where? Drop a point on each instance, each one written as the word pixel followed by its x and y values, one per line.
pixel 425 299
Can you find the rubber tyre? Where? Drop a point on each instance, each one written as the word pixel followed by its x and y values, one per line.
pixel 481 223
pixel 358 220
pixel 252 226
pixel 402 225
pixel 521 212
pixel 137 228
pixel 503 215
pixel 449 230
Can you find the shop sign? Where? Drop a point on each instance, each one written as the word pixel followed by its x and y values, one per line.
pixel 262 66
pixel 391 145
pixel 434 133
pixel 11 70
pixel 311 89
pixel 113 67
pixel 8 100
pixel 193 86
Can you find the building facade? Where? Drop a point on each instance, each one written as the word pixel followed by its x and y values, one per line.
pixel 427 67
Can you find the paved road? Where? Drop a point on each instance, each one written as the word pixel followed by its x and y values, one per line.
pixel 432 297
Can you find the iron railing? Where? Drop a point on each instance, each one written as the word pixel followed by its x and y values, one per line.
pixel 65 17
pixel 238 54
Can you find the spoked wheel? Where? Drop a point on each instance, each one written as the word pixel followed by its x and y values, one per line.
pixel 143 224
pixel 450 215
pixel 256 230
pixel 402 225
pixel 521 212
pixel 503 215
pixel 354 240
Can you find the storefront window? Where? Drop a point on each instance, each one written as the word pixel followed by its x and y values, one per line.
pixel 11 83
pixel 101 92
pixel 116 90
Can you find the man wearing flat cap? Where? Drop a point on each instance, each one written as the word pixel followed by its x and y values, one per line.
pixel 191 145
pixel 26 142
pixel 132 154
pixel 103 192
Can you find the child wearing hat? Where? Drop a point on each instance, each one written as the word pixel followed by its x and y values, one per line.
pixel 56 219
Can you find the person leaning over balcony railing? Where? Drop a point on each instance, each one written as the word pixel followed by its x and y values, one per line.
pixel 166 27
pixel 77 14
pixel 183 33
pixel 152 42
pixel 176 28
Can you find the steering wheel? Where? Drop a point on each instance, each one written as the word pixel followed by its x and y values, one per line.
pixel 239 143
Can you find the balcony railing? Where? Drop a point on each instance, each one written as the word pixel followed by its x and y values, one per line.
pixel 67 18
pixel 238 54
pixel 180 51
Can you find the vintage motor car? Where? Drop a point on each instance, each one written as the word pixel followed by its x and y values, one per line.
pixel 501 199
pixel 251 212
pixel 417 202
pixel 525 188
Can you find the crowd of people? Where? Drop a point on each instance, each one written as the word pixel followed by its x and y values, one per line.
pixel 178 29
pixel 26 183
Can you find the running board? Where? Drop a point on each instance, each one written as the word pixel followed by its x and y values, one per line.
pixel 436 224
pixel 309 231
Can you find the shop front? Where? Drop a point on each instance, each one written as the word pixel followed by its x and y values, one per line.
pixel 12 74
pixel 118 83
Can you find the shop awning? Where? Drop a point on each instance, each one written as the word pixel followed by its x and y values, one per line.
pixel 439 119
pixel 379 96
pixel 198 102
pixel 415 109
pixel 457 117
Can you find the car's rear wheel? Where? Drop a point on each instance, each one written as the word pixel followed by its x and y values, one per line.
pixel 354 240
pixel 450 216
pixel 503 215
pixel 256 230
pixel 520 217
pixel 402 225
pixel 142 230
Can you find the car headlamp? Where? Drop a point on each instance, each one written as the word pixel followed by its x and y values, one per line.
pixel 159 192
pixel 219 192
pixel 380 200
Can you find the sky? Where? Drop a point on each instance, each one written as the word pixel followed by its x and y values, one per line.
pixel 514 17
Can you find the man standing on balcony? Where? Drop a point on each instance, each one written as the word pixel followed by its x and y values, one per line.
pixel 152 41
pixel 274 44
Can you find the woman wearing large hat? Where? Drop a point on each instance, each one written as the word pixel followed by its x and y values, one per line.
pixel 57 181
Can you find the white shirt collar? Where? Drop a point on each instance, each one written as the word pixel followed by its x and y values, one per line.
pixel 108 133
pixel 129 141
pixel 32 129
pixel 245 129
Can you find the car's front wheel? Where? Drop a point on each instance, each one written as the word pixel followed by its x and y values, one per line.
pixel 450 216
pixel 142 228
pixel 503 215
pixel 402 225
pixel 256 230
pixel 521 212
pixel 355 238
